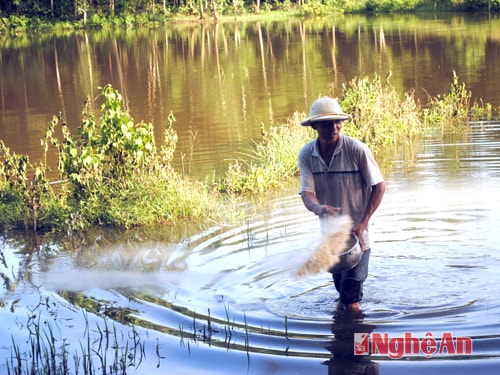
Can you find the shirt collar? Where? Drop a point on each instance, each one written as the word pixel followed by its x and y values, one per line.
pixel 337 149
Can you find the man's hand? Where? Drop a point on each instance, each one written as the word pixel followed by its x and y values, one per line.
pixel 326 210
pixel 374 200
pixel 358 230
pixel 312 204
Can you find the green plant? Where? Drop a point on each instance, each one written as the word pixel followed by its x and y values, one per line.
pixel 15 197
pixel 48 353
pixel 270 162
pixel 319 8
pixel 380 116
pixel 112 172
pixel 107 153
pixel 454 107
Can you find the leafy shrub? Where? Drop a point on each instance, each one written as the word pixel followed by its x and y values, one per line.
pixel 380 116
pixel 454 107
pixel 14 190
pixel 110 173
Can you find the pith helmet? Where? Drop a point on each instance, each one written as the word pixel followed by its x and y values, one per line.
pixel 325 108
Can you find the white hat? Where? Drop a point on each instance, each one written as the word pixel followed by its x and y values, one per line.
pixel 325 108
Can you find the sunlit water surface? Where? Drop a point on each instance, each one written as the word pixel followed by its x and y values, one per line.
pixel 226 300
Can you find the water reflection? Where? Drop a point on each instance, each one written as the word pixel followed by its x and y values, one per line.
pixel 344 360
pixel 223 81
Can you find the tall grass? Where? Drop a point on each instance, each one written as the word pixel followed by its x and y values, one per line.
pixel 271 161
pixel 382 118
pixel 111 172
pixel 381 115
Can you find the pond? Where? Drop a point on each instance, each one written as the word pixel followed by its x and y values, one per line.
pixel 225 298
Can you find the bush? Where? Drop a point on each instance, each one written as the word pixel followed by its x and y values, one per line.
pixel 454 108
pixel 110 173
pixel 270 162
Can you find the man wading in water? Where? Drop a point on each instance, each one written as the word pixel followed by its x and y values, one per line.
pixel 339 174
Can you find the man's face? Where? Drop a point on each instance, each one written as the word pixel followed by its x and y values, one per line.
pixel 328 130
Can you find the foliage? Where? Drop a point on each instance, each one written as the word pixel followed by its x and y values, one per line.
pixel 50 354
pixel 454 107
pixel 319 8
pixel 380 116
pixel 14 192
pixel 271 161
pixel 103 153
pixel 387 5
pixel 474 5
pixel 110 173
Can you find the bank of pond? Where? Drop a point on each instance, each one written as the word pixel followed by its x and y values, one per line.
pixel 26 16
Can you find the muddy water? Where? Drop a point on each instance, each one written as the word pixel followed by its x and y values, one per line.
pixel 225 299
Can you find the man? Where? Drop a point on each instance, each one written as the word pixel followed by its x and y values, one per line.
pixel 339 174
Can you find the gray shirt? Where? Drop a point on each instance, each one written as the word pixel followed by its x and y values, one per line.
pixel 345 183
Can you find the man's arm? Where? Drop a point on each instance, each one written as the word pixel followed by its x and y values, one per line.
pixel 313 205
pixel 374 201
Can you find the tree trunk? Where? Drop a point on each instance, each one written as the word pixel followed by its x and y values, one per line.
pixel 202 15
pixel 216 13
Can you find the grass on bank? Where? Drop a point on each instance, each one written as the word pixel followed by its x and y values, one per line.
pixel 112 172
pixel 109 173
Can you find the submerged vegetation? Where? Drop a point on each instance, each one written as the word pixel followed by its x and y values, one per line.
pixel 112 172
pixel 103 348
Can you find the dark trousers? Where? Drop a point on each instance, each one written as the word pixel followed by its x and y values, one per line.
pixel 349 283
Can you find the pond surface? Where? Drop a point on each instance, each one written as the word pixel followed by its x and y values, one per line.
pixel 222 82
pixel 226 299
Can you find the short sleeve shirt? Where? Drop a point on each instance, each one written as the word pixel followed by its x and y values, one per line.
pixel 345 183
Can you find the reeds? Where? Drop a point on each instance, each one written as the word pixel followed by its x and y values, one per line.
pixel 109 349
pixel 112 352
pixel 382 118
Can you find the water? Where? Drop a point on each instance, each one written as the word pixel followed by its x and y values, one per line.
pixel 222 82
pixel 225 299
